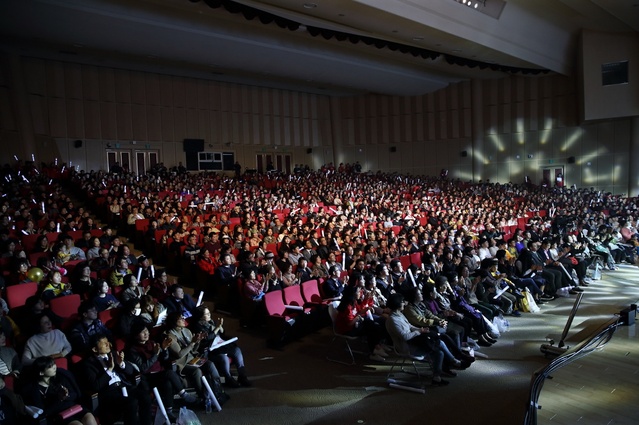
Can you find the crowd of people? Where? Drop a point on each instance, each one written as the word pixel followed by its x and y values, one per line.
pixel 419 265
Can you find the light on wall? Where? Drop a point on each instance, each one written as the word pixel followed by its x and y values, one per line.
pixel 472 3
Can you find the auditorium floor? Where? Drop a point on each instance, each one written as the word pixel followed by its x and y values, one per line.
pixel 299 386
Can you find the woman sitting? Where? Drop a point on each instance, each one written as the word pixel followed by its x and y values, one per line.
pixel 160 286
pixel 353 322
pixel 150 358
pixel 204 323
pixel 83 284
pixel 47 342
pixel 8 357
pixel 104 300
pixel 183 351
pixel 151 310
pixel 132 289
pixel 55 391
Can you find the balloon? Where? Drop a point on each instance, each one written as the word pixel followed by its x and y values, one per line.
pixel 35 274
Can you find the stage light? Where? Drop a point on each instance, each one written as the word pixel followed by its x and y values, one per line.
pixel 472 3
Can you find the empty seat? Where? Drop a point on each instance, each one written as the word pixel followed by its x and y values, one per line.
pixel 17 294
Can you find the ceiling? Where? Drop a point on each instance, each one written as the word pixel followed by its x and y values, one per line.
pixel 189 38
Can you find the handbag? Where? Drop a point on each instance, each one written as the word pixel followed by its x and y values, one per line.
pixel 532 305
pixel 525 305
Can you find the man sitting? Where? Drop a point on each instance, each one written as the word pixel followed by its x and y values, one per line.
pixel 107 373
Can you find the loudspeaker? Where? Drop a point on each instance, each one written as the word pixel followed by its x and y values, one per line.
pixel 193 145
pixel 393 149
pixel 309 150
pixel 77 144
pixel 464 154
pixel 571 160
pixel 627 316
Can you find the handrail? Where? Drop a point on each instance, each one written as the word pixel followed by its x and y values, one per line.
pixel 600 338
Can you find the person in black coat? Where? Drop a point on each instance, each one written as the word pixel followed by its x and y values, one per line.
pixel 106 373
pixel 180 302
pixel 54 391
pixel 333 287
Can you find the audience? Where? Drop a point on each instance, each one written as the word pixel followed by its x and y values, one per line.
pixel 469 240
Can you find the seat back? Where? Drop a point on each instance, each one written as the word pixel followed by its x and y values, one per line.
pixel 311 292
pixel 293 296
pixel 274 303
pixel 17 294
pixel 65 306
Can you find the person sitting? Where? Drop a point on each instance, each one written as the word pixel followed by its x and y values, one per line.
pixel 416 341
pixel 203 322
pixel 54 391
pixel 253 289
pixel 47 342
pixel 131 311
pixel 350 321
pixel 145 269
pixel 10 363
pixel 150 358
pixel 183 351
pixel 152 311
pixel 205 262
pixel 82 283
pixel 55 288
pixel 120 269
pixel 132 289
pixel 69 252
pixel 160 288
pixel 180 302
pixel 333 287
pixel 103 299
pixel 106 373
pixel 87 326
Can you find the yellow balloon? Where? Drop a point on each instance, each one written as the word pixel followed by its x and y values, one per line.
pixel 35 274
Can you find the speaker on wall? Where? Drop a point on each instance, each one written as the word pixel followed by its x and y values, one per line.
pixel 309 150
pixel 464 154
pixel 193 145
pixel 77 144
pixel 571 160
pixel 393 149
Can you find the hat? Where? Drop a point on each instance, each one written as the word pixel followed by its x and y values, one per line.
pixel 215 230
pixel 142 258
pixel 269 255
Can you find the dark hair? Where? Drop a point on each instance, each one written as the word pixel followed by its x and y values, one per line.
pixel 349 296
pixel 85 306
pixel 126 281
pixel 395 301
pixel 199 312
pixel 130 304
pixel 171 319
pixel 95 338
pixel 41 363
pixel 136 327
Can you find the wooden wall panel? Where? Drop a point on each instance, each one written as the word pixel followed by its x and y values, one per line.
pixel 39 114
pixel 7 117
pixel 166 91
pixel 107 85
pixel 152 89
pixel 35 76
pixel 178 90
pixel 57 117
pixel 122 86
pixel 75 119
pixel 92 119
pixel 90 83
pixel 153 122
pixel 73 81
pixel 139 124
pixel 124 121
pixel 168 124
pixel 55 79
pixel 179 124
pixel 138 88
pixel 190 92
